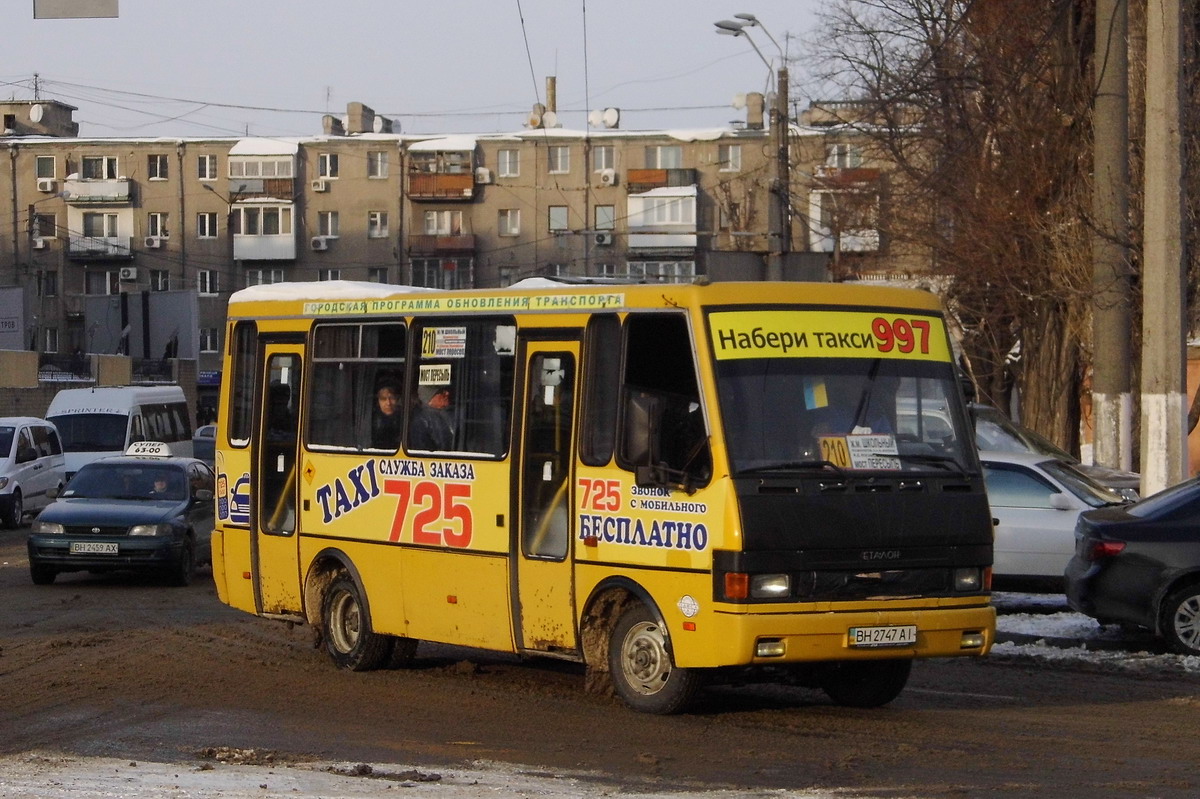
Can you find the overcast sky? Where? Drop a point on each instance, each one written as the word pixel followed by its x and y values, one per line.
pixel 205 67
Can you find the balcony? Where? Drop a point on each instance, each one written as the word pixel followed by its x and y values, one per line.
pixel 79 191
pixel 275 247
pixel 93 248
pixel 646 179
pixel 437 245
pixel 439 186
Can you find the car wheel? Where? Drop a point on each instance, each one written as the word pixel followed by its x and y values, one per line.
pixel 1181 620
pixel 16 512
pixel 643 673
pixel 865 683
pixel 42 575
pixel 349 639
pixel 185 568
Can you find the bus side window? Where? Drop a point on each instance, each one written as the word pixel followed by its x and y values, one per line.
pixel 348 363
pixel 602 362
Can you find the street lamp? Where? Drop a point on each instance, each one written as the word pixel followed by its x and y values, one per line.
pixel 779 222
pixel 229 202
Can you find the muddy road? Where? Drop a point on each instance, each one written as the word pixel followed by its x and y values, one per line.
pixel 128 667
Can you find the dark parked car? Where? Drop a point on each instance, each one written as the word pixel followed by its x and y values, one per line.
pixel 1140 564
pixel 204 443
pixel 128 512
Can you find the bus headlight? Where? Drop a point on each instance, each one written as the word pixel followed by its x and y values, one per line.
pixel 770 586
pixel 150 529
pixel 46 528
pixel 969 579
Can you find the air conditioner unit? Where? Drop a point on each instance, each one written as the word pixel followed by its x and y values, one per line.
pixel 603 239
pixel 318 243
pixel 320 185
pixel 46 185
pixel 608 177
pixel 483 175
pixel 39 243
pixel 153 242
pixel 128 273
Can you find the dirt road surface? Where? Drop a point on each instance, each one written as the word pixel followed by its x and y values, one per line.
pixel 133 670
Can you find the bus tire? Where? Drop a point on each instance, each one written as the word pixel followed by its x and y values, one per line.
pixel 643 673
pixel 865 683
pixel 348 637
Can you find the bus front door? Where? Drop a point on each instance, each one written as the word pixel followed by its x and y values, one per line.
pixel 545 609
pixel 276 555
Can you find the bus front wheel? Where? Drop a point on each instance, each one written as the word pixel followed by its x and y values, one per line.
pixel 865 683
pixel 349 639
pixel 643 674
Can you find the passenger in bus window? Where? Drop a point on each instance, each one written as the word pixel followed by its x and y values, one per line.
pixel 431 428
pixel 386 418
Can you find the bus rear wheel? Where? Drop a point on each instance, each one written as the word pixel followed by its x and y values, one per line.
pixel 349 639
pixel 643 673
pixel 865 683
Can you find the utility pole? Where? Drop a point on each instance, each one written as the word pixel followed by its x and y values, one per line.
pixel 1164 405
pixel 779 226
pixel 1111 400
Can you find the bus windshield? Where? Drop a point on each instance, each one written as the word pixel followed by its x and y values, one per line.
pixel 92 432
pixel 842 414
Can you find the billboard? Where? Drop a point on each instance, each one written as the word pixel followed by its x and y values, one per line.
pixel 12 318
pixel 143 324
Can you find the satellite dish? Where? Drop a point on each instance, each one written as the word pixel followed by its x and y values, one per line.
pixel 611 117
pixel 596 118
pixel 377 125
pixel 739 101
pixel 535 120
pixel 36 111
pixel 550 119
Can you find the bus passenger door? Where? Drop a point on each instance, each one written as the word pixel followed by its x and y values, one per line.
pixel 276 555
pixel 545 610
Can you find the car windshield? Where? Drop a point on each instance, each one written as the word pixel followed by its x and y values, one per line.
pixel 843 413
pixel 1083 486
pixel 149 481
pixel 6 439
pixel 92 432
pixel 995 432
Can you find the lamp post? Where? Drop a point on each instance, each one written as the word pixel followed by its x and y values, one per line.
pixel 779 221
pixel 229 203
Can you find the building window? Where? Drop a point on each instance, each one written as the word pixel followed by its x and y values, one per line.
pixel 377 164
pixel 263 277
pixel 46 166
pixel 659 271
pixel 259 220
pixel 156 167
pixel 377 274
pixel 206 226
pixel 508 163
pixel 377 224
pixel 509 223
pixel 47 285
pixel 160 280
pixel 100 226
pixel 664 156
pixel 730 216
pixel 50 339
pixel 507 275
pixel 156 225
pixel 99 167
pixel 327 165
pixel 327 223
pixel 558 218
pixel 442 273
pixel 443 223
pixel 260 166
pixel 208 281
pixel 45 225
pixel 106 281
pixel 729 157
pixel 560 159
pixel 329 274
pixel 603 157
pixel 845 156
pixel 210 339
pixel 206 167
pixel 606 217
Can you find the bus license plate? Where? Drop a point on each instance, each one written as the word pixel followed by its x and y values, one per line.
pixel 900 635
pixel 93 548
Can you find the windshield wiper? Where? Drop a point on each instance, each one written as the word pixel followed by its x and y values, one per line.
pixel 945 461
pixel 805 464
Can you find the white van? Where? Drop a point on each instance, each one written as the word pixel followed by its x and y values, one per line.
pixel 96 422
pixel 31 465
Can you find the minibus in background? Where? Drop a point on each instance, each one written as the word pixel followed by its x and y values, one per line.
pixel 97 422
pixel 670 484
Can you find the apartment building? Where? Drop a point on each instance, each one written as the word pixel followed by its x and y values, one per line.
pixel 95 228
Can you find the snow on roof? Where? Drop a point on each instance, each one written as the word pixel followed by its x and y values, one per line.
pixel 264 147
pixel 699 134
pixel 668 191
pixel 321 290
pixel 445 144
